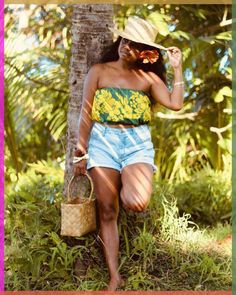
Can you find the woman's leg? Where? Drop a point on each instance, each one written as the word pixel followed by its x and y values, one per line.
pixel 136 186
pixel 107 183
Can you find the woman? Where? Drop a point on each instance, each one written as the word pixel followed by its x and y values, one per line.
pixel 118 152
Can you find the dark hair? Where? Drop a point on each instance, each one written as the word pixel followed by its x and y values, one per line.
pixel 158 67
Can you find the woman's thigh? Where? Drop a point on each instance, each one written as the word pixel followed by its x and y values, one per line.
pixel 107 184
pixel 136 186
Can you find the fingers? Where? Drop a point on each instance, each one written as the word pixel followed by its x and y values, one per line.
pixel 173 49
pixel 78 172
pixel 174 53
pixel 80 168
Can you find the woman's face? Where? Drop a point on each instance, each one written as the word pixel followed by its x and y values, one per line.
pixel 129 50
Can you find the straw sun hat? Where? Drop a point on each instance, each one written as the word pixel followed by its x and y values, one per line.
pixel 140 31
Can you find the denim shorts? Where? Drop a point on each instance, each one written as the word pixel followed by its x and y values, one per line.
pixel 118 147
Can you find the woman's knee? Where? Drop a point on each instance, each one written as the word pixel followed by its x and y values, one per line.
pixel 107 212
pixel 134 201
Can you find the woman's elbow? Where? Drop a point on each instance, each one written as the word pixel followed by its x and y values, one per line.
pixel 176 107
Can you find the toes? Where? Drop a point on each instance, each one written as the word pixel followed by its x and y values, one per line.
pixel 115 284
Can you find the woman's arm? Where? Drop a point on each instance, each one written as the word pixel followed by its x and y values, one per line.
pixel 160 93
pixel 85 121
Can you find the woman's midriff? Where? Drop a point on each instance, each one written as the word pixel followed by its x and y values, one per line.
pixel 118 125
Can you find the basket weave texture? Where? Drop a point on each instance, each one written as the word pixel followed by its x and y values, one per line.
pixel 78 216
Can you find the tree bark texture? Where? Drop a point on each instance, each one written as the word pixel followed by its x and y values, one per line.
pixel 90 37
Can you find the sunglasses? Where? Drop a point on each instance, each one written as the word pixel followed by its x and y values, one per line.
pixel 132 44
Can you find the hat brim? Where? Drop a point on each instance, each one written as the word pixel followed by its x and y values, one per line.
pixel 127 36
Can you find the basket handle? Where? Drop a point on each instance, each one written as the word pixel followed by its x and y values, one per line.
pixel 69 186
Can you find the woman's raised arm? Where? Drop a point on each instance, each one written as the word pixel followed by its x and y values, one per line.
pixel 160 93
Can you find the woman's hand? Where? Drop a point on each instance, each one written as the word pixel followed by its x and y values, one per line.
pixel 80 168
pixel 175 56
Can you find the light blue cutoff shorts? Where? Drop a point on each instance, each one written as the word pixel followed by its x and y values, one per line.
pixel 118 147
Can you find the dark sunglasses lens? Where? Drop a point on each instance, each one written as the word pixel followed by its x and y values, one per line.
pixel 135 45
pixel 125 40
pixel 138 46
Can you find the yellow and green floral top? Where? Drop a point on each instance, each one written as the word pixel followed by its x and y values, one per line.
pixel 119 105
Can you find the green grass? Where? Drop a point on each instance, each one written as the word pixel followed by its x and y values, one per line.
pixel 159 249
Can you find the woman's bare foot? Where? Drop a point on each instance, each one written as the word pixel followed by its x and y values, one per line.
pixel 115 283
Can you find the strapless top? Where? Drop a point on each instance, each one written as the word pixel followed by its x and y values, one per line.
pixel 121 105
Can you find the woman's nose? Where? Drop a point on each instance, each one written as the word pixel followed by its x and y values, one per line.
pixel 127 45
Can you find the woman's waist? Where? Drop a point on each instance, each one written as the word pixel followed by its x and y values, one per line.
pixel 99 130
pixel 119 125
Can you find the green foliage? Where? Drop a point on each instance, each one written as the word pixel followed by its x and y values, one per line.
pixel 159 249
pixel 32 210
pixel 206 196
pixel 37 52
pixel 170 252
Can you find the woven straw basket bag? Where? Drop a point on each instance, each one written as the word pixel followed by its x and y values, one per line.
pixel 78 215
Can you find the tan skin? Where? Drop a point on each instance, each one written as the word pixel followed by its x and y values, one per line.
pixel 134 184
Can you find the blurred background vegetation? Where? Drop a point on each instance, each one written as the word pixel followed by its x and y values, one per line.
pixel 184 240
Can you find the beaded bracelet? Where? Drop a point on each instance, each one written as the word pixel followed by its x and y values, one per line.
pixel 181 83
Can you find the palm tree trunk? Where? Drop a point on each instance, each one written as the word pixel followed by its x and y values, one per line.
pixel 90 37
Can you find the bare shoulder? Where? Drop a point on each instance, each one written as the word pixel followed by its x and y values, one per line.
pixel 96 69
pixel 154 78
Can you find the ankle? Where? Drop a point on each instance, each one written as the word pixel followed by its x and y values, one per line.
pixel 115 276
pixel 115 283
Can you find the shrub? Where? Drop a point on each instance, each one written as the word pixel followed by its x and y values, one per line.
pixel 206 196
